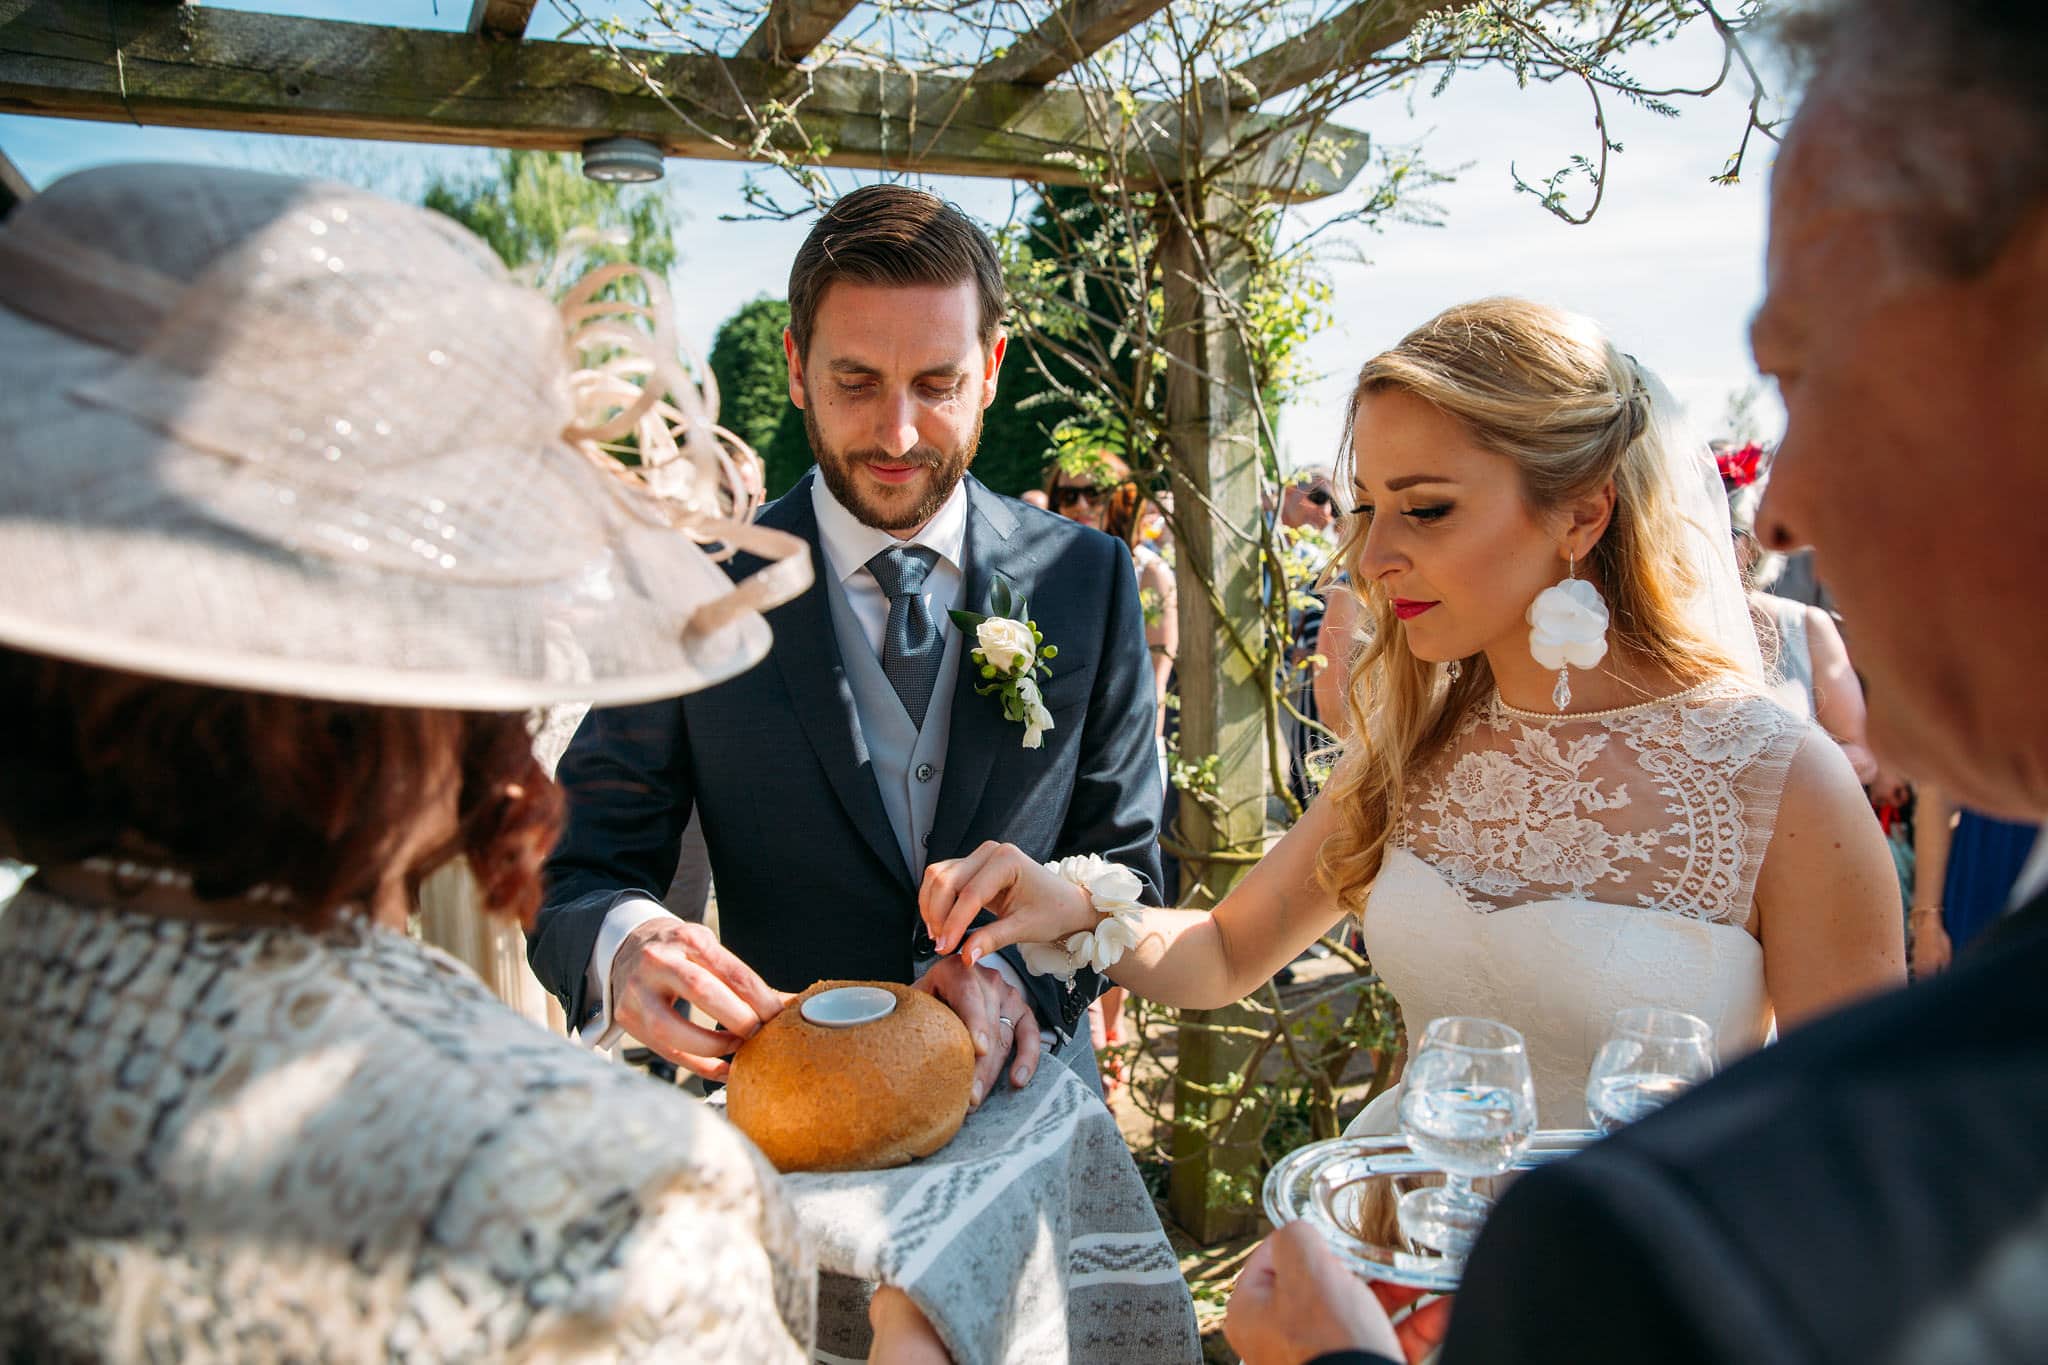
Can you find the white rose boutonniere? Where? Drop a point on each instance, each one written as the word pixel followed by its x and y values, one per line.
pixel 1005 643
pixel 1009 652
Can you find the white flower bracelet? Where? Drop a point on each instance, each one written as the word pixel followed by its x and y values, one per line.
pixel 1114 890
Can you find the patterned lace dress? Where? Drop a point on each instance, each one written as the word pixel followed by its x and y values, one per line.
pixel 1552 870
pixel 254 1144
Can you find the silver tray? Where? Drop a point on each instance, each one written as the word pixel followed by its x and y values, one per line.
pixel 1344 1184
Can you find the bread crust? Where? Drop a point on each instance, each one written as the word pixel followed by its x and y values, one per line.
pixel 853 1099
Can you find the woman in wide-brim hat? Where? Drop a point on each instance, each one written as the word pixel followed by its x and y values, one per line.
pixel 302 509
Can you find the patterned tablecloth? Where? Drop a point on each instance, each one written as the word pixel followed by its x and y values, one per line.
pixel 1028 1238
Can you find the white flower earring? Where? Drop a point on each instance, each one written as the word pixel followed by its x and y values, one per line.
pixel 1568 626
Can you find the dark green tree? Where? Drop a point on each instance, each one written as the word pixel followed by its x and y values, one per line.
pixel 753 390
pixel 1040 381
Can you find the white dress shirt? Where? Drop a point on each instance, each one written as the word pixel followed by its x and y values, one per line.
pixel 848 544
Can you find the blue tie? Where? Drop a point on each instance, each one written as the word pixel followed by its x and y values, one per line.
pixel 910 641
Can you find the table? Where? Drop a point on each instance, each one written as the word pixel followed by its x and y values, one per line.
pixel 1028 1239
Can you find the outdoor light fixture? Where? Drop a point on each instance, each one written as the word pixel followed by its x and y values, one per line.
pixel 622 160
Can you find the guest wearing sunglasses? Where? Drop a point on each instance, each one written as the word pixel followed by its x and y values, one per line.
pixel 1101 493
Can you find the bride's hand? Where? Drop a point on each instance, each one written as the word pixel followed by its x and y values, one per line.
pixel 1031 904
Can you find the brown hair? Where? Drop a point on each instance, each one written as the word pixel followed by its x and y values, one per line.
pixel 242 789
pixel 1121 497
pixel 893 235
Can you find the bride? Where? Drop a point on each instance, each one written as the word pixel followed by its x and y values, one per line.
pixel 1565 791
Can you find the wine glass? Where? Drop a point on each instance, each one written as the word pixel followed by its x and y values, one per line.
pixel 1468 1107
pixel 1650 1056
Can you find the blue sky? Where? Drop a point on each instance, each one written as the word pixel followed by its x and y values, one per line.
pixel 1671 265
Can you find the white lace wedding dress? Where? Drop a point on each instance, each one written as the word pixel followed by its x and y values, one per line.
pixel 1550 870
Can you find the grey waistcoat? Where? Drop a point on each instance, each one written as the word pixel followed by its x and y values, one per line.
pixel 907 762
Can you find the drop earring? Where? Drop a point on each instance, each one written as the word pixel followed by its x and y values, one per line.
pixel 1453 671
pixel 1567 629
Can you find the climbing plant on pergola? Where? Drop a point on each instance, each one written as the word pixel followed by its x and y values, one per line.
pixel 1187 124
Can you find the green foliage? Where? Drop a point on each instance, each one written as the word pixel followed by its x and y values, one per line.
pixel 753 390
pixel 1053 379
pixel 527 206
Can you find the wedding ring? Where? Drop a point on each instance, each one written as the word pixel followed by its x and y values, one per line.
pixel 1005 1022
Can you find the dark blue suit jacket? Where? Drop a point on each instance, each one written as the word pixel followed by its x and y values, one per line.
pixel 810 882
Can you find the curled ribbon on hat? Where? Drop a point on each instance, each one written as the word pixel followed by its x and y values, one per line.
pixel 627 380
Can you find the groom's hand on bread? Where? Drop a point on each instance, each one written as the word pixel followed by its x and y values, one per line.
pixel 998 1019
pixel 667 965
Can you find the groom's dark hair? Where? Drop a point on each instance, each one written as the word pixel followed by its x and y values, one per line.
pixel 893 235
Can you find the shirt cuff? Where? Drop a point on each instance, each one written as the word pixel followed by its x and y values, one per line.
pixel 627 914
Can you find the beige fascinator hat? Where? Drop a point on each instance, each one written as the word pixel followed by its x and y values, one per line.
pixel 291 437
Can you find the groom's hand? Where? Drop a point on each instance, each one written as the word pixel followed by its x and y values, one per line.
pixel 998 1019
pixel 665 966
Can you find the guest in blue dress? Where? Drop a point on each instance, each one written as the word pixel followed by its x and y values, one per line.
pixel 1969 862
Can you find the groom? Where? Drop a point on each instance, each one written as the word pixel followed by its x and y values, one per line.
pixel 826 779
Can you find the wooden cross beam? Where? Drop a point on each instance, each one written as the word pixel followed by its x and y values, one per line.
pixel 792 29
pixel 1073 32
pixel 196 66
pixel 502 18
pixel 1343 40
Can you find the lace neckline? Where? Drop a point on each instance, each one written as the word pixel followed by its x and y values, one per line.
pixel 1501 706
pixel 1667 803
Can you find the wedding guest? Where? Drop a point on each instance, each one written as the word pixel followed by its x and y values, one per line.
pixel 1308 500
pixel 301 520
pixel 1103 495
pixel 1874 1187
pixel 1338 644
pixel 1965 865
pixel 1810 673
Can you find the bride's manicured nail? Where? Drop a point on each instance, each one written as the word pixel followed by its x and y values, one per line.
pixel 980 1047
pixel 975 1094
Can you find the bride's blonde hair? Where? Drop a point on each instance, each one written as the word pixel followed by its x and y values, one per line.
pixel 1549 391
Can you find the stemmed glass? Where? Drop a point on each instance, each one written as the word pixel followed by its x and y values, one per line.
pixel 1468 1107
pixel 1651 1055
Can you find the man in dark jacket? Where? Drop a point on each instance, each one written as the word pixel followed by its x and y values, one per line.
pixel 870 742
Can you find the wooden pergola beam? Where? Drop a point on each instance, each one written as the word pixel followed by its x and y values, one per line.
pixel 1343 40
pixel 1073 32
pixel 501 18
pixel 199 67
pixel 792 29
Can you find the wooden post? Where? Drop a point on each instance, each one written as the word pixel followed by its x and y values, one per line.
pixel 1212 432
pixel 452 918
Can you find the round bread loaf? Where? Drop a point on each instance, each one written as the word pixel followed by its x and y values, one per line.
pixel 853 1099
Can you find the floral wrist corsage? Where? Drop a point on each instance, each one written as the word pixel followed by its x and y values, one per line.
pixel 1114 889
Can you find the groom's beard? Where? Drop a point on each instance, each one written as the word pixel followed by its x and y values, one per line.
pixel 837 468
